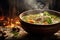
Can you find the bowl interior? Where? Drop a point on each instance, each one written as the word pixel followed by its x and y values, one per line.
pixel 38 11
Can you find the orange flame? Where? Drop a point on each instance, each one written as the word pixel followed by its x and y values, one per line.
pixel 11 22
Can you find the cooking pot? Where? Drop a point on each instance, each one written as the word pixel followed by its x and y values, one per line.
pixel 39 29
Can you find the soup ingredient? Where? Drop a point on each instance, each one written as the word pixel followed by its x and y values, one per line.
pixel 44 18
pixel 49 20
pixel 31 21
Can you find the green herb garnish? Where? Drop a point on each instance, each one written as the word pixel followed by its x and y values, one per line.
pixel 15 33
pixel 49 20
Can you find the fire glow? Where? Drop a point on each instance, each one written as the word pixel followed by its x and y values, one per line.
pixel 10 22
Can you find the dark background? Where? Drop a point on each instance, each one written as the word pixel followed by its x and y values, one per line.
pixel 4 4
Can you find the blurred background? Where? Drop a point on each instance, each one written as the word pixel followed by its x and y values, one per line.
pixel 15 7
pixel 10 10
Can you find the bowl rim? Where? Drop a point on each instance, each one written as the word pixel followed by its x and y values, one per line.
pixel 20 16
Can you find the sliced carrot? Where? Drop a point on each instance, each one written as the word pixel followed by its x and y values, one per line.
pixel 31 21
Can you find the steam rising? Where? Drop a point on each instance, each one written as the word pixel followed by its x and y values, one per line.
pixel 33 4
pixel 23 5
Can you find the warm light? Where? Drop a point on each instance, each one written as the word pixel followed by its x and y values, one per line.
pixel 10 22
pixel 4 23
pixel 1 18
pixel 12 25
pixel 17 22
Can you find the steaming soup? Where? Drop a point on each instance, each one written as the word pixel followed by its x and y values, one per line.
pixel 44 18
